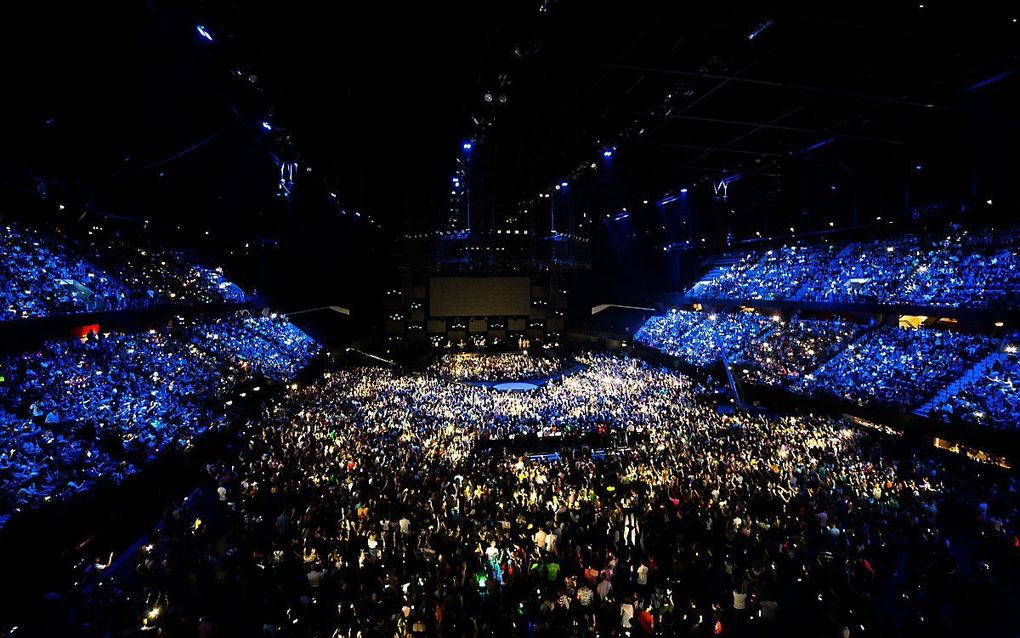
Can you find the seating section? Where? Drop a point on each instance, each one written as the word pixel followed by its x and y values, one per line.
pixel 990 397
pixel 38 278
pixel 45 274
pixel 885 366
pixel 74 412
pixel 160 275
pixel 666 332
pixel 701 339
pixel 272 346
pixel 897 367
pixel 792 349
pixel 720 335
pixel 961 269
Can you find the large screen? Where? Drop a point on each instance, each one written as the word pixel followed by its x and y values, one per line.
pixel 479 296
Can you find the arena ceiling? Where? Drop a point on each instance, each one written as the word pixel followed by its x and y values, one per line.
pixel 133 109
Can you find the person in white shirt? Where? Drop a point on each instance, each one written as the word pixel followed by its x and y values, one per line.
pixel 540 537
pixel 550 543
pixel 739 600
pixel 626 614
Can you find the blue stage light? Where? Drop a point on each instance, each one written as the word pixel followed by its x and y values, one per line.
pixel 563 184
pixel 683 190
pixel 607 153
pixel 266 125
pixel 467 146
pixel 203 32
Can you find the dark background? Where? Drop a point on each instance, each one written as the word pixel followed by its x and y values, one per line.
pixel 858 118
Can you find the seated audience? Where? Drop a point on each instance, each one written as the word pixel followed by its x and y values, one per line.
pixel 793 348
pixel 79 411
pixel 897 367
pixel 961 269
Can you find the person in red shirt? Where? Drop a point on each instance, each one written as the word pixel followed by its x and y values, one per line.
pixel 646 622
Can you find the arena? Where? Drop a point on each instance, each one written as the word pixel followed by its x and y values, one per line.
pixel 523 319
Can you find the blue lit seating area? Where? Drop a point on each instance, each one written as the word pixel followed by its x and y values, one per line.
pixel 74 412
pixel 896 366
pixel 935 372
pixel 959 269
pixel 45 275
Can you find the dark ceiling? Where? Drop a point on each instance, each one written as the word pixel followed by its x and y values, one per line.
pixel 127 108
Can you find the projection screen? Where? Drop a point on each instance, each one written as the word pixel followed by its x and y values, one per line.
pixel 479 296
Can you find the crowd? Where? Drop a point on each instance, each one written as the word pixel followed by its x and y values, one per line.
pixel 896 366
pixel 45 274
pixel 504 366
pixel 771 274
pixel 666 332
pixel 356 507
pixel 699 338
pixel 991 397
pixel 793 349
pixel 160 275
pixel 962 269
pixel 272 345
pixel 38 278
pixel 887 366
pixel 74 412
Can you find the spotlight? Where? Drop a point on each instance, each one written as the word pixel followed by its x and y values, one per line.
pixel 202 31
pixel 467 146
pixel 563 184
pixel 683 190
pixel 607 153
pixel 266 125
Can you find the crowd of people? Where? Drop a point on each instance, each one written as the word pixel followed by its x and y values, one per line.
pixel 503 366
pixel 793 349
pixel 991 396
pixel 74 412
pixel 887 366
pixel 961 269
pixel 160 275
pixel 898 367
pixel 46 274
pixel 356 506
pixel 38 278
pixel 268 343
pixel 699 338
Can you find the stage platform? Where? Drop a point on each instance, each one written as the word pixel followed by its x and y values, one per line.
pixel 525 385
pixel 515 386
